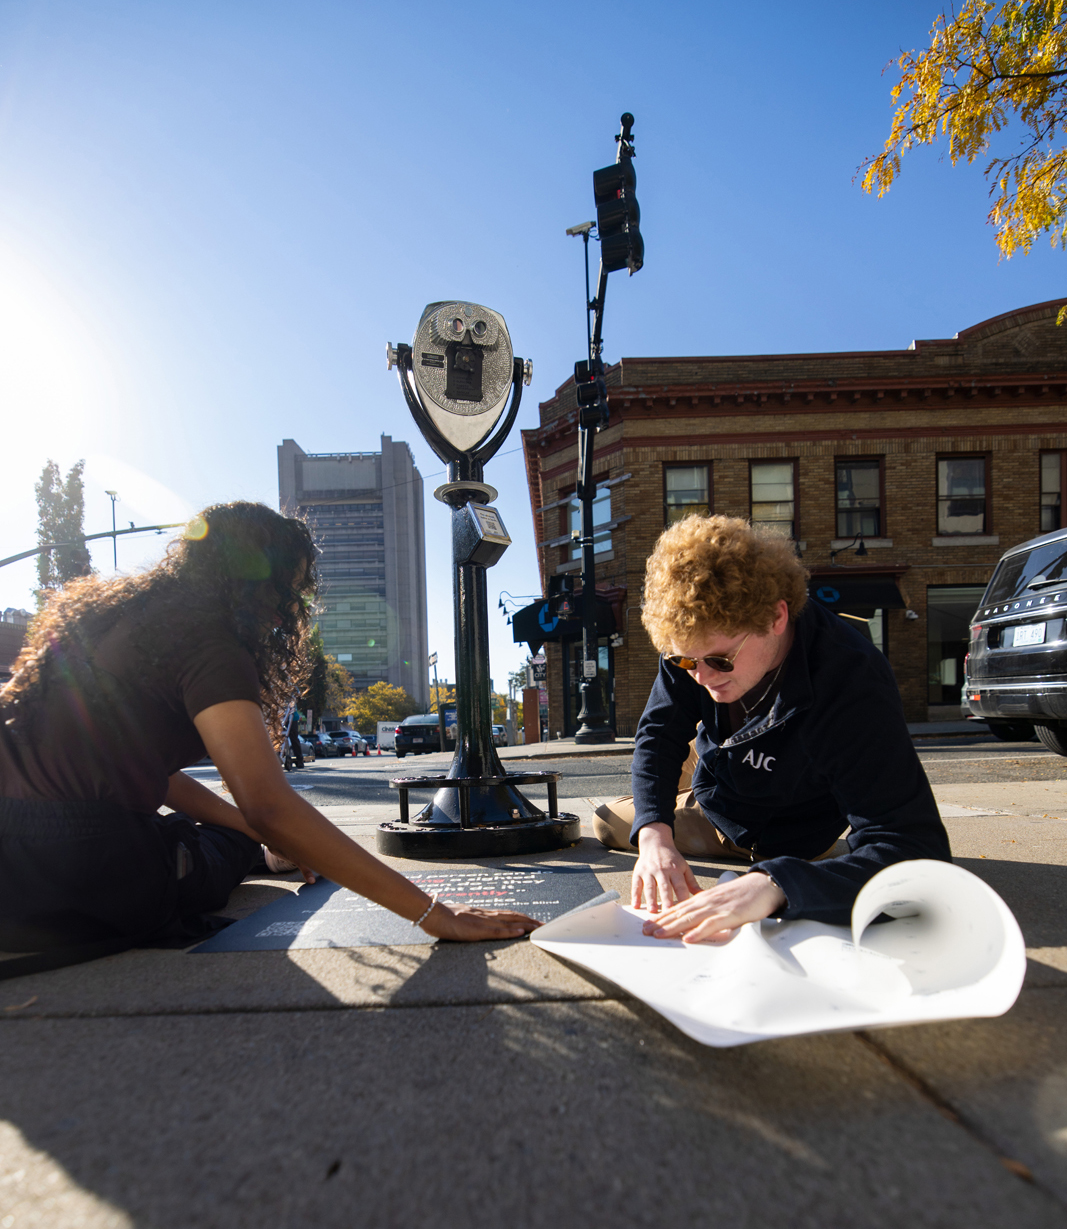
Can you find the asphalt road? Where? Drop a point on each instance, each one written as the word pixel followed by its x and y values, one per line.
pixel 982 758
pixel 967 758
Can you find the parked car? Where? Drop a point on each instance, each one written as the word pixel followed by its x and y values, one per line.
pixel 324 746
pixel 349 742
pixel 1015 674
pixel 500 736
pixel 372 742
pixel 417 734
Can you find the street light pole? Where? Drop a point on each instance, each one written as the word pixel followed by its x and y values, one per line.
pixel 114 533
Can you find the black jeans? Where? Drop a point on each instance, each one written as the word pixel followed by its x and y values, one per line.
pixel 77 872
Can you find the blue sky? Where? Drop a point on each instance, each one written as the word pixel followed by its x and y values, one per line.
pixel 214 214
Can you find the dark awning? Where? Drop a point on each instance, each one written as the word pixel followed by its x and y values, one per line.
pixel 856 593
pixel 534 625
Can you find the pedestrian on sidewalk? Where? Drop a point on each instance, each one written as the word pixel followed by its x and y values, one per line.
pixel 125 682
pixel 773 728
pixel 293 734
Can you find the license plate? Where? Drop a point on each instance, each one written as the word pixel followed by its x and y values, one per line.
pixel 1029 633
pixel 418 740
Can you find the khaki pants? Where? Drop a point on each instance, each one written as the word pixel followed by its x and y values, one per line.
pixel 695 836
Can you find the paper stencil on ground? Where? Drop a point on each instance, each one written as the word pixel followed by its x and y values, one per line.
pixel 324 915
pixel 951 950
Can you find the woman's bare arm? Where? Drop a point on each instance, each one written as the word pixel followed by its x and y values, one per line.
pixel 236 738
pixel 204 805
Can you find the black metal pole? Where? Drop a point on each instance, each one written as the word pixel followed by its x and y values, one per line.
pixel 593 725
pixel 475 754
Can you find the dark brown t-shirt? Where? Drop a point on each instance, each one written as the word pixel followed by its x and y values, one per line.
pixel 116 721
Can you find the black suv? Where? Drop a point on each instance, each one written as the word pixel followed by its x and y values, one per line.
pixel 1015 675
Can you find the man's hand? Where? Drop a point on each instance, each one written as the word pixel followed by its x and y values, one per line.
pixel 662 876
pixel 713 915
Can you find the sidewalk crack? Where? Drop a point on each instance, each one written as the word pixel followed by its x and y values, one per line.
pixel 947 1110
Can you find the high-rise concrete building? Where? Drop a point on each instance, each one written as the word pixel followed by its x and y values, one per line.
pixel 365 509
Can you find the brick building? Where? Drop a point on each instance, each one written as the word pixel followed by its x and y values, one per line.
pixel 939 457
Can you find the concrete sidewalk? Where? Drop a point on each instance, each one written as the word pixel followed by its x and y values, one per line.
pixel 492 1085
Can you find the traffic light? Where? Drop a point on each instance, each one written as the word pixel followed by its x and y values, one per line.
pixel 561 597
pixel 618 216
pixel 592 394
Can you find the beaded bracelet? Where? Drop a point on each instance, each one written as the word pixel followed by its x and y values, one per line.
pixel 429 910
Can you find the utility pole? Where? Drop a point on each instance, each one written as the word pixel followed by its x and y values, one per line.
pixel 114 533
pixel 437 699
pixel 621 247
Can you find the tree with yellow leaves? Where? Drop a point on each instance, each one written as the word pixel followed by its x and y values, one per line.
pixel 380 702
pixel 340 687
pixel 441 695
pixel 998 66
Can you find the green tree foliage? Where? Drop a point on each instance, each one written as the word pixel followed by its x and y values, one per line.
pixel 61 518
pixel 380 702
pixel 314 697
pixel 996 67
pixel 330 687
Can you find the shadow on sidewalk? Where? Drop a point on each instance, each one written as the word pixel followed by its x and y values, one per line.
pixel 1036 892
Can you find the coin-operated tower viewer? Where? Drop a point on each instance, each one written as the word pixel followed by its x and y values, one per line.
pixel 457 376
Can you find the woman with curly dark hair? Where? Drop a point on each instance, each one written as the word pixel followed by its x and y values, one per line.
pixel 124 683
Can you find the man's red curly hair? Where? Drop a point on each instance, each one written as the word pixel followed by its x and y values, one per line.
pixel 716 574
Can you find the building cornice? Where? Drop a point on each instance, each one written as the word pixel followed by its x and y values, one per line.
pixel 559 442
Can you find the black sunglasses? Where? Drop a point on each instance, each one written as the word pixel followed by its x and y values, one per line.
pixel 723 664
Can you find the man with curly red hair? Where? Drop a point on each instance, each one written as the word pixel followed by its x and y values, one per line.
pixel 784 729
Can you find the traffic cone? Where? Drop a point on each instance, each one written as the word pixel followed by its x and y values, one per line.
pixel 379 750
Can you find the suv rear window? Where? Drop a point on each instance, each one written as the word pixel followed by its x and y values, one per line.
pixel 1015 574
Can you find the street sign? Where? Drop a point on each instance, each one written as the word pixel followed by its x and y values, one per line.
pixel 433 660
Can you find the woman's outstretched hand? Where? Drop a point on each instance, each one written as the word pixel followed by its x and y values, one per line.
pixel 465 923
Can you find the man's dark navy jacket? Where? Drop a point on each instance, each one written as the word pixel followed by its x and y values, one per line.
pixel 832 752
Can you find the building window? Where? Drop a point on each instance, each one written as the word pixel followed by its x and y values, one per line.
pixel 961 495
pixel 859 498
pixel 686 489
pixel 601 516
pixel 1052 484
pixel 773 497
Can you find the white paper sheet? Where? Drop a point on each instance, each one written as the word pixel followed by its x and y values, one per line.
pixel 952 950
